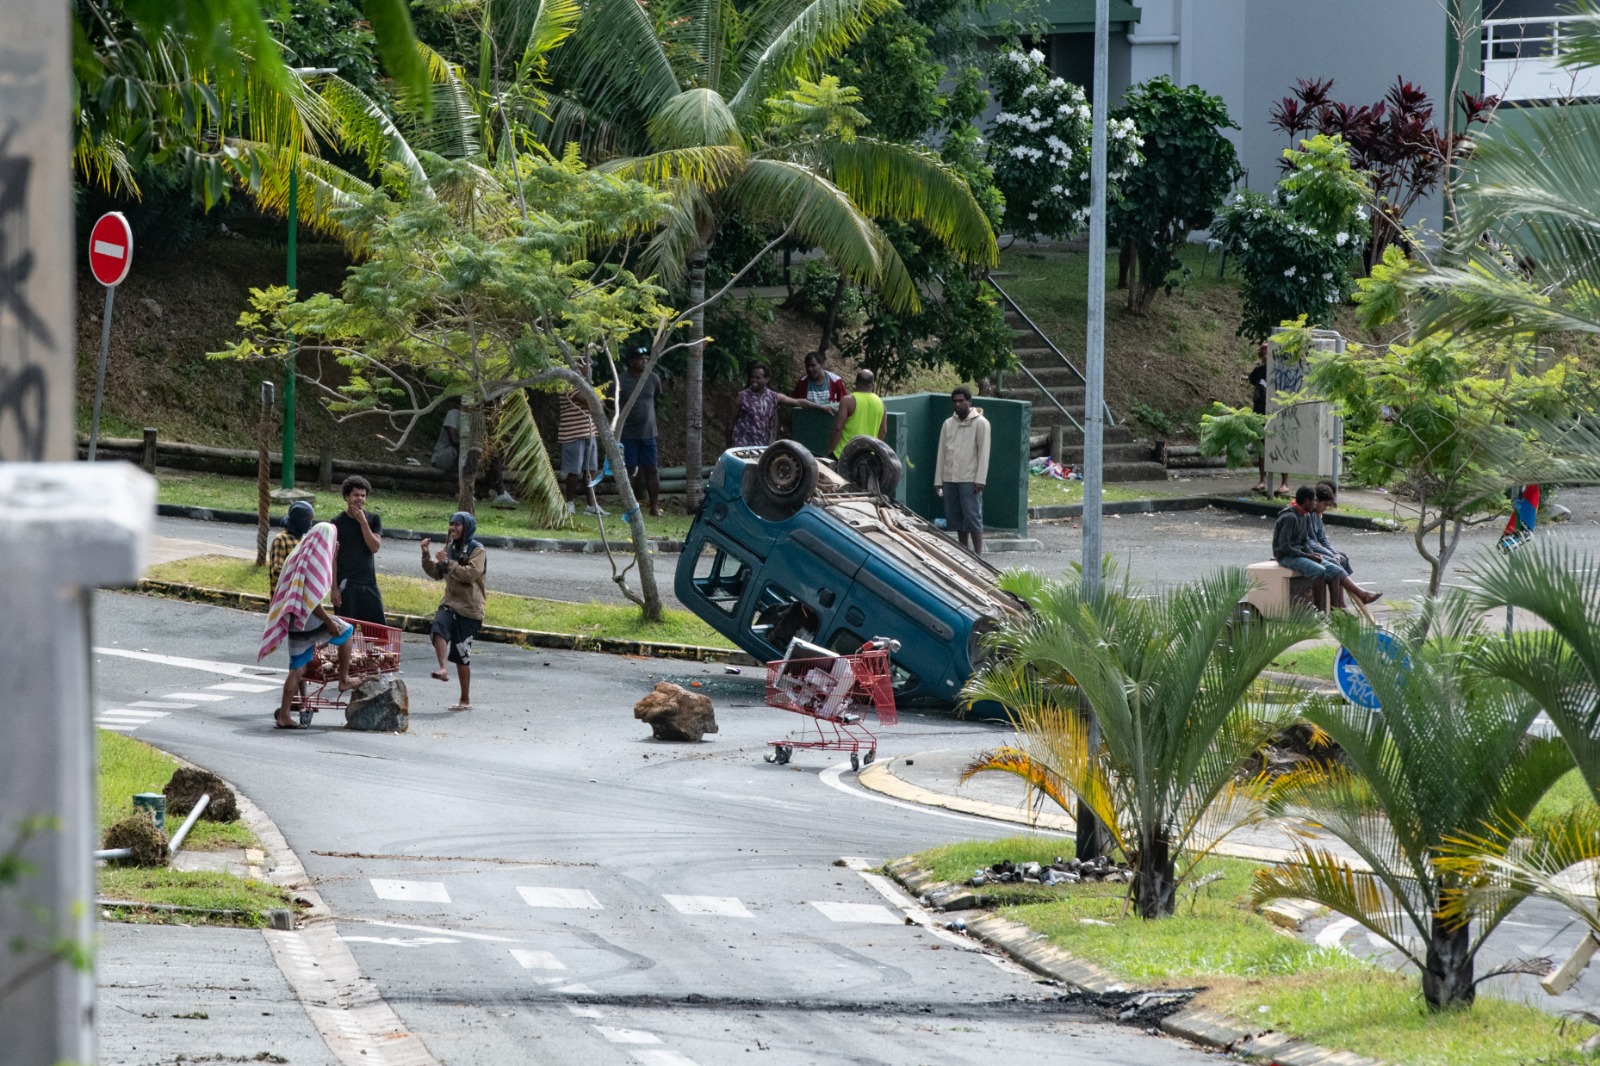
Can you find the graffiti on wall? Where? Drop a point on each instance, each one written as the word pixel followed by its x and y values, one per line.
pixel 26 342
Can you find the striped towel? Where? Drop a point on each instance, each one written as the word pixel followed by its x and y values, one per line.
pixel 307 576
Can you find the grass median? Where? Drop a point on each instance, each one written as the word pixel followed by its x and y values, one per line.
pixel 125 767
pixel 415 595
pixel 1258 974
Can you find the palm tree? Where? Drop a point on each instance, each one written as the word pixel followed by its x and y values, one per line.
pixel 1447 756
pixel 1175 689
pixel 680 94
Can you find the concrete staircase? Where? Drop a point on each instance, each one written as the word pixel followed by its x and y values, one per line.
pixel 1126 457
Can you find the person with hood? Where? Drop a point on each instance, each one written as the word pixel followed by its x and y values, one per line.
pixel 961 468
pixel 298 616
pixel 296 524
pixel 462 565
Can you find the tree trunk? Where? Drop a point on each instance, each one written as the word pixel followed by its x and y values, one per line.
pixel 832 320
pixel 651 607
pixel 694 404
pixel 1156 880
pixel 1125 260
pixel 1447 977
pixel 470 437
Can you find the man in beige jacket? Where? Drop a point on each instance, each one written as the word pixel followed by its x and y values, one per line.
pixel 462 565
pixel 962 467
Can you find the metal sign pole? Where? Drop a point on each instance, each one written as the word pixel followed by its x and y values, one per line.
pixel 263 473
pixel 100 372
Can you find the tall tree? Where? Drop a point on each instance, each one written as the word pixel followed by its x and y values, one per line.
pixel 680 96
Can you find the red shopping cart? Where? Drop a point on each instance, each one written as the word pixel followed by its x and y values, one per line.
pixel 835 692
pixel 374 652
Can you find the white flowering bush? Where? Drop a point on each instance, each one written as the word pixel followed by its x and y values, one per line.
pixel 1039 148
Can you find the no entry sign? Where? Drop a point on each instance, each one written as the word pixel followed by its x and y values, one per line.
pixel 110 249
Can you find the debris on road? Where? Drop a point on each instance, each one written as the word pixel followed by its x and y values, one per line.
pixel 674 713
pixel 1060 872
pixel 138 832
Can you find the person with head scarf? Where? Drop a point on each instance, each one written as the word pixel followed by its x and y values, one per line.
pixel 462 565
pixel 298 616
pixel 296 524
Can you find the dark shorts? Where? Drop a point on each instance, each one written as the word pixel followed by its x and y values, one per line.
pixel 362 602
pixel 638 452
pixel 963 507
pixel 457 631
pixel 580 457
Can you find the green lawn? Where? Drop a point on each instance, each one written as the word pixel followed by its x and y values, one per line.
pixel 407 510
pixel 126 766
pixel 415 595
pixel 1048 492
pixel 1567 794
pixel 1308 660
pixel 1255 972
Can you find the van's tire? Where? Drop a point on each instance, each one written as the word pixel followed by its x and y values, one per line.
pixel 786 477
pixel 870 465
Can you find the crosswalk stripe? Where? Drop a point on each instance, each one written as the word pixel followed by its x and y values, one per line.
pixel 242 686
pixel 721 906
pixel 627 1036
pixel 577 990
pixel 584 1012
pixel 129 712
pixel 410 891
pixel 117 727
pixel 566 898
pixel 536 960
pixel 855 912
pixel 662 1057
pixel 200 697
pixel 161 705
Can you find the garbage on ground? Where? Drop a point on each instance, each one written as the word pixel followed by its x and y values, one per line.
pixel 1044 466
pixel 1060 872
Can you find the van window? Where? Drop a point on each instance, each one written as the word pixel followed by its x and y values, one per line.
pixel 847 643
pixel 721 577
pixel 780 617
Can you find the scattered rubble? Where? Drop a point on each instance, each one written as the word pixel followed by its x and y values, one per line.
pixel 379 705
pixel 1060 872
pixel 674 713
pixel 186 787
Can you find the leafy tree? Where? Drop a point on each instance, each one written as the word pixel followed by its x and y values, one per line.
pixel 1395 141
pixel 1039 147
pixel 1448 755
pixel 1436 416
pixel 1295 245
pixel 1175 689
pixel 1235 433
pixel 686 104
pixel 1186 167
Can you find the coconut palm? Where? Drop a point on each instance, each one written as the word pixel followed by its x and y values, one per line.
pixel 1176 691
pixel 680 94
pixel 1448 755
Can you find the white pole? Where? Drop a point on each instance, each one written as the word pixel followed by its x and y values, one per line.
pixel 1094 353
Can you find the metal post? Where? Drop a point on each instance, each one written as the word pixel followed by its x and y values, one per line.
pixel 100 372
pixel 149 460
pixel 289 368
pixel 263 474
pixel 1091 835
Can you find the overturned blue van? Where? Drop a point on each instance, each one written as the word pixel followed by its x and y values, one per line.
pixel 785 547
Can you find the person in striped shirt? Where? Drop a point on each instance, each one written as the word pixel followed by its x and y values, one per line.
pixel 580 453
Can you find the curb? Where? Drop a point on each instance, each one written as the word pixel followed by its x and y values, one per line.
pixel 1268 510
pixel 1219 1031
pixel 663 545
pixel 413 623
pixel 1154 505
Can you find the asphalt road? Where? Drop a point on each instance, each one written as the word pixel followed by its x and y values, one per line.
pixel 538 881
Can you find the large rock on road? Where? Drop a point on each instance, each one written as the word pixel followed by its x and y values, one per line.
pixel 380 705
pixel 674 713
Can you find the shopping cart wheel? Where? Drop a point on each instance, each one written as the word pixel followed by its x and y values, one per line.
pixel 855 761
pixel 305 719
pixel 871 757
pixel 783 752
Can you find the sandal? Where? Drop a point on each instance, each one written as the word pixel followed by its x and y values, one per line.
pixel 1259 488
pixel 1283 493
pixel 439 675
pixel 461 707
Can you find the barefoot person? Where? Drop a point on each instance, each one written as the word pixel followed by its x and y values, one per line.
pixel 297 615
pixel 355 576
pixel 461 565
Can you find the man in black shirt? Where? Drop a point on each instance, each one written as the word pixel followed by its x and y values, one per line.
pixel 355 575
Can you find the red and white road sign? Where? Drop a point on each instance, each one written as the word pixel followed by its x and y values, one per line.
pixel 110 249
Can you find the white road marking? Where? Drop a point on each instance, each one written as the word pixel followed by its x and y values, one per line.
pixel 410 891
pixel 164 705
pixel 871 913
pixel 928 921
pixel 207 665
pixel 831 775
pixel 577 990
pixel 663 1057
pixel 537 960
pixel 241 686
pixel 1332 935
pixel 564 898
pixel 585 1012
pixel 399 941
pixel 199 697
pixel 118 727
pixel 133 712
pixel 722 906
pixel 627 1036
pixel 434 929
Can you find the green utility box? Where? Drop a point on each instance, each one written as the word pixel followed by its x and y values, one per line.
pixel 914 424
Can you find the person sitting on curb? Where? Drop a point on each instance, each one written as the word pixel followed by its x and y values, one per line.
pixel 1327 500
pixel 297 615
pixel 1293 548
pixel 296 524
pixel 462 565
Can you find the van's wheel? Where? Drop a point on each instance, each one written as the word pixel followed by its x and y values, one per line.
pixel 870 465
pixel 786 476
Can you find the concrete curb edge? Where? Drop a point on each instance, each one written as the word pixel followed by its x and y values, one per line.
pixel 1169 504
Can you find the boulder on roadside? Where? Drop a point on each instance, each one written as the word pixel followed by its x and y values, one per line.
pixel 674 713
pixel 379 705
pixel 138 831
pixel 186 787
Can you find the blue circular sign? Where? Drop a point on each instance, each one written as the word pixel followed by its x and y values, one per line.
pixel 1352 682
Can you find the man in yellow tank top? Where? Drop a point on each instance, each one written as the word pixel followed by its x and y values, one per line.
pixel 861 414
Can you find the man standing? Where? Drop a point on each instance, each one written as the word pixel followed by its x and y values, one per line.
pixel 820 385
pixel 355 574
pixel 639 427
pixel 1258 403
pixel 580 452
pixel 861 414
pixel 462 565
pixel 962 466
pixel 447 449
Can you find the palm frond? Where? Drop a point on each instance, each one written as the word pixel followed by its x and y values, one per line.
pixel 614 65
pixel 695 118
pixel 1559 858
pixel 798 46
pixel 361 126
pixel 1323 877
pixel 326 193
pixel 523 451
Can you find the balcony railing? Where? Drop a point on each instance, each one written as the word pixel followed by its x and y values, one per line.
pixel 1522 61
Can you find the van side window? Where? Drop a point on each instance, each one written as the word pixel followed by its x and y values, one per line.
pixel 721 578
pixel 780 617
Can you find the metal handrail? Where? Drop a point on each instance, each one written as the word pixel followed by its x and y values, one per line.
pixel 1492 40
pixel 1012 304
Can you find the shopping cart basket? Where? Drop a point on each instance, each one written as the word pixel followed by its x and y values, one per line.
pixel 374 652
pixel 835 692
